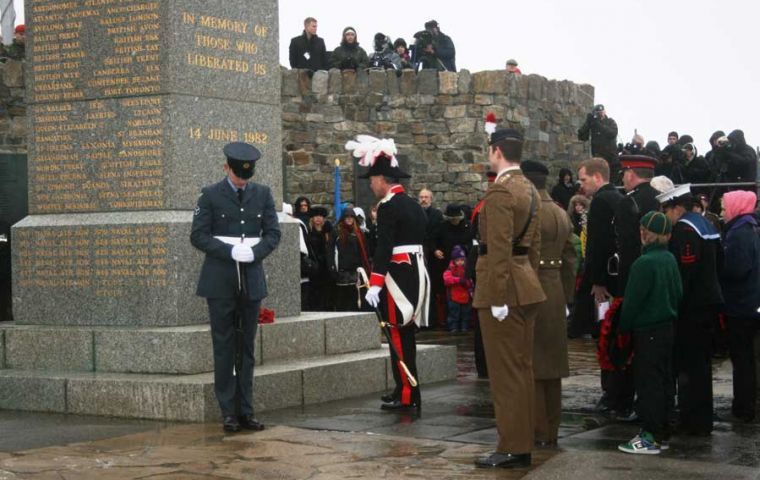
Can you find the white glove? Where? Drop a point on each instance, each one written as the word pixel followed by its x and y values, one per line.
pixel 242 254
pixel 500 313
pixel 373 296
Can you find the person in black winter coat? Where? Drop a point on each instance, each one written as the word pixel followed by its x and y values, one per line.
pixel 443 47
pixel 385 56
pixel 671 164
pixel 455 230
pixel 736 161
pixel 319 240
pixel 5 271
pixel 598 283
pixel 307 51
pixel 301 209
pixel 349 55
pixel 710 156
pixel 740 282
pixel 602 131
pixel 565 188
pixel 435 263
pixel 695 168
pixel 347 253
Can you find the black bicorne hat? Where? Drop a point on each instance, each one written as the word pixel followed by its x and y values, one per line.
pixel 383 166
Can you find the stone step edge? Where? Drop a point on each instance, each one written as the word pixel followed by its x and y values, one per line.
pixel 272 368
pixel 304 317
pixel 190 398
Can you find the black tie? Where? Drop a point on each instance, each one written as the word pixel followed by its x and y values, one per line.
pixel 240 195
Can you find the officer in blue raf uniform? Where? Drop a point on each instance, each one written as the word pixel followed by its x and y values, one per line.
pixel 235 225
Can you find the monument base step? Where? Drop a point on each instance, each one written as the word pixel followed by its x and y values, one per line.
pixel 285 383
pixel 179 350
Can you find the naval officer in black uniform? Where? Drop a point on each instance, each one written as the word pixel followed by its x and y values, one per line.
pixel 235 225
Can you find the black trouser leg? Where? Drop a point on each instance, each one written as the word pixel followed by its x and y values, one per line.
pixel 228 387
pixel 305 294
pixel 619 389
pixel 694 340
pixel 741 337
pixel 584 311
pixel 345 298
pixel 480 352
pixel 652 359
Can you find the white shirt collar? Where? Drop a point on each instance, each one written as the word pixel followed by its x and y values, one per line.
pixel 508 169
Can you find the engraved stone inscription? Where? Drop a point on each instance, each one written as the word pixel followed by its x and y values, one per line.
pixel 108 260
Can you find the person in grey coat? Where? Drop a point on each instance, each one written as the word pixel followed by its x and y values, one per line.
pixel 235 225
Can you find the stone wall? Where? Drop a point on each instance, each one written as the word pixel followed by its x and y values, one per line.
pixel 436 119
pixel 13 130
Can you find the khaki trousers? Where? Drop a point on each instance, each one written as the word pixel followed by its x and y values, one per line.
pixel 509 356
pixel 548 409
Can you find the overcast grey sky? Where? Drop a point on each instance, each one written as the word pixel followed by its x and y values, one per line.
pixel 657 65
pixel 690 66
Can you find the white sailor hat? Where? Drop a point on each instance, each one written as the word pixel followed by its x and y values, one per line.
pixel 675 193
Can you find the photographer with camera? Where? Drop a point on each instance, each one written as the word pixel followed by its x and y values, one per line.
pixel 384 56
pixel 433 49
pixel 349 55
pixel 671 164
pixel 602 131
pixel 736 161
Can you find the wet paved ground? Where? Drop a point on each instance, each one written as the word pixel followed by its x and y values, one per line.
pixel 354 439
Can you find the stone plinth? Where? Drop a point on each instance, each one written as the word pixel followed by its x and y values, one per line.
pixel 281 384
pixel 142 153
pixel 130 103
pixel 135 269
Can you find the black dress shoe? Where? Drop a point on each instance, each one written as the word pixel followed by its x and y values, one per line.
pixel 249 422
pixel 396 405
pixel 546 445
pixel 231 424
pixel 504 460
pixel 389 397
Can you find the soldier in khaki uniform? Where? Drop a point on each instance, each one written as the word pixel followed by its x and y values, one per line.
pixel 556 271
pixel 507 296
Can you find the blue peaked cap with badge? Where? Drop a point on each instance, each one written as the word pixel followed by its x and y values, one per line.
pixel 242 157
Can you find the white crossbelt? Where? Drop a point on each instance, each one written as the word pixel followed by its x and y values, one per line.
pixel 419 313
pixel 407 249
pixel 247 241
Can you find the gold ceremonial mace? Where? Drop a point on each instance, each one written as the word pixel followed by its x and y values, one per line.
pixel 386 328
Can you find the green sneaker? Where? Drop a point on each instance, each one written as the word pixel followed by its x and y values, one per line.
pixel 642 444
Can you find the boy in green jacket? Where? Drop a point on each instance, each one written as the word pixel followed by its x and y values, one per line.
pixel 652 297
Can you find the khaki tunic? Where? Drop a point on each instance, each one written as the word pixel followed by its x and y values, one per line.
pixel 505 279
pixel 556 273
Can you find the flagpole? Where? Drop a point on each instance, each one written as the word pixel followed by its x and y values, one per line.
pixel 336 193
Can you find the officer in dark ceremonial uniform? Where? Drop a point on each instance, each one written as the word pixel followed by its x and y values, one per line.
pixel 235 225
pixel 640 199
pixel 696 245
pixel 399 283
